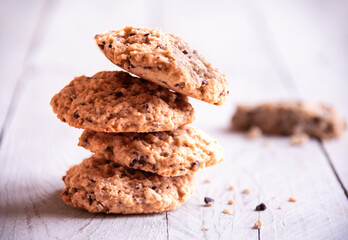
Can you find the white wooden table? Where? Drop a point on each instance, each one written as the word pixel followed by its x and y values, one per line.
pixel 269 50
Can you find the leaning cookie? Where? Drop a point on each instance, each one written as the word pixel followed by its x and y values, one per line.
pixel 100 185
pixel 172 153
pixel 286 118
pixel 117 102
pixel 166 60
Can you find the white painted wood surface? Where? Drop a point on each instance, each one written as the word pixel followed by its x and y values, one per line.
pixel 268 50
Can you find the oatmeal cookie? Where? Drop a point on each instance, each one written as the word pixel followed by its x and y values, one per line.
pixel 287 118
pixel 166 60
pixel 100 185
pixel 113 101
pixel 172 153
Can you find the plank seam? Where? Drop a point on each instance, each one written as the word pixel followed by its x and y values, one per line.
pixel 167 225
pixel 21 84
pixel 327 156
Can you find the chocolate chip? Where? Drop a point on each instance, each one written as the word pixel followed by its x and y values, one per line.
pixel 146 34
pixel 160 47
pixel 90 200
pixel 159 68
pixel 131 34
pixel 63 119
pixel 102 45
pixel 76 115
pixel 110 46
pixel 132 66
pixel 117 94
pixel 153 188
pixel 204 82
pixel 223 93
pixel 120 202
pixel 198 164
pixel 63 178
pixel 146 106
pixel 133 163
pixel 208 200
pixel 109 149
pixel 184 52
pixel 85 140
pixel 88 120
pixel 261 207
pixel 116 165
pixel 92 180
pixel 180 85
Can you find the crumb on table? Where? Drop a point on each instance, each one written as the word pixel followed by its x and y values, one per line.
pixel 254 132
pixel 292 199
pixel 207 180
pixel 209 201
pixel 261 207
pixel 246 191
pixel 231 188
pixel 226 211
pixel 299 139
pixel 205 228
pixel 257 225
pixel 230 202
pixel 279 207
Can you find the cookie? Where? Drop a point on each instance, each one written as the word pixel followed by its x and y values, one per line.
pixel 166 60
pixel 117 102
pixel 100 185
pixel 172 153
pixel 286 118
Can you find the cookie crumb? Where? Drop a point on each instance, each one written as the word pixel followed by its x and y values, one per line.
pixel 257 225
pixel 226 211
pixel 261 207
pixel 207 180
pixel 205 228
pixel 298 139
pixel 254 132
pixel 279 207
pixel 246 191
pixel 230 202
pixel 209 201
pixel 267 143
pixel 292 199
pixel 231 188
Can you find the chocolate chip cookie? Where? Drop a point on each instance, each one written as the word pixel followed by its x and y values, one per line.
pixel 114 101
pixel 100 185
pixel 286 118
pixel 166 60
pixel 172 153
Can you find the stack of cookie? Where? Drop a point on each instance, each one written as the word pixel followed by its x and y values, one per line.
pixel 145 154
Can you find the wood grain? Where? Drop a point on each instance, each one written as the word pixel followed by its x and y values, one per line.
pixel 16 33
pixel 262 62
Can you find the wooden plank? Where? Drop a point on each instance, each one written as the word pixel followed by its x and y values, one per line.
pixel 16 34
pixel 266 78
pixel 37 149
pixel 33 162
pixel 317 60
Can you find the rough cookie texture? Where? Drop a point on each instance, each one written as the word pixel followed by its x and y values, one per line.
pixel 100 185
pixel 172 153
pixel 286 118
pixel 117 102
pixel 166 60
